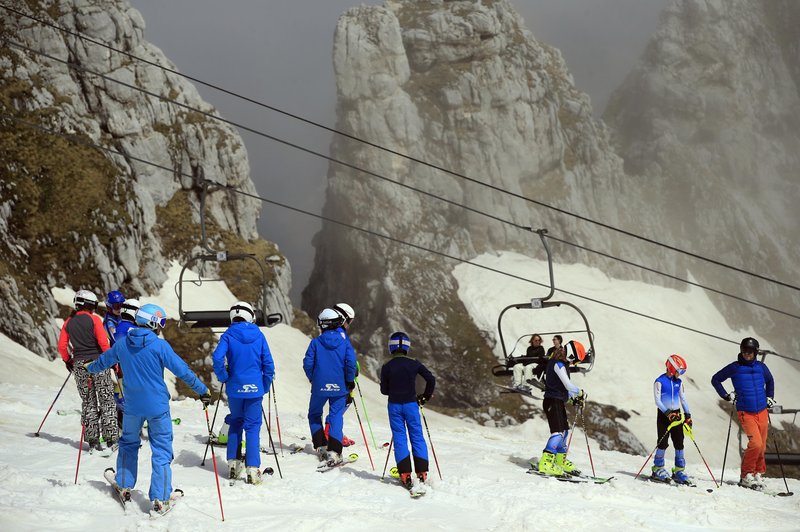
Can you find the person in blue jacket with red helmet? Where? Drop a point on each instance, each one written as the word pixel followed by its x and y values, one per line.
pixel 754 392
pixel 670 397
pixel 247 375
pixel 143 357
pixel 330 365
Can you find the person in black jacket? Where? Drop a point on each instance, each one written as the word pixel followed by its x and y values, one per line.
pixel 398 381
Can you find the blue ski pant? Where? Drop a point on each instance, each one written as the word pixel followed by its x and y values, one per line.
pixel 245 417
pixel 336 408
pixel 159 430
pixel 405 422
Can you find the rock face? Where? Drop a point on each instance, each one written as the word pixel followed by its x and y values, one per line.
pixel 74 215
pixel 709 127
pixel 464 86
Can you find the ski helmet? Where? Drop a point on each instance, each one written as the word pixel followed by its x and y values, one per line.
pixel 749 345
pixel 129 308
pixel 113 298
pixel 151 316
pixel 329 319
pixel 345 310
pixel 676 365
pixel 84 298
pixel 243 311
pixel 575 351
pixel 399 341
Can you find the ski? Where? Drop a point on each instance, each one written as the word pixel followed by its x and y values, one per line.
pixel 509 389
pixel 168 507
pixel 327 466
pixel 567 477
pixel 123 496
pixel 668 482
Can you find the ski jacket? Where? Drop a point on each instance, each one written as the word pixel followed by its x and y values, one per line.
pixel 556 381
pixel 122 330
pixel 110 324
pixel 752 381
pixel 330 363
pixel 250 367
pixel 83 332
pixel 669 394
pixel 143 357
pixel 399 379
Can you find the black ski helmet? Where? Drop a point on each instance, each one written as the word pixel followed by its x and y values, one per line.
pixel 749 344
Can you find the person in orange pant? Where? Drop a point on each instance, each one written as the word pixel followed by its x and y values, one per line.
pixel 754 392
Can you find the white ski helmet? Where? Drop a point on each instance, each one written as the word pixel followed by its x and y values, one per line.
pixel 329 319
pixel 244 311
pixel 129 308
pixel 84 298
pixel 346 311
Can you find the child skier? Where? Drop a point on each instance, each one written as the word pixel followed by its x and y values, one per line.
pixel 143 357
pixel 114 301
pixel 558 390
pixel 330 365
pixel 349 315
pixel 670 397
pixel 127 321
pixel 243 362
pixel 398 381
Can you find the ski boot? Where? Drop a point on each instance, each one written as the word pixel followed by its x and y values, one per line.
pixel 679 476
pixel 660 474
pixel 548 466
pixel 759 480
pixel 333 459
pixel 405 480
pixel 253 476
pixel 234 469
pixel 749 481
pixel 568 467
pixel 422 476
pixel 347 442
pixel 322 453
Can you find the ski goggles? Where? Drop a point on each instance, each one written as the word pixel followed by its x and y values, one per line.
pixel 156 318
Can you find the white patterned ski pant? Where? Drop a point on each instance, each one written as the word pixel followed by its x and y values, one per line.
pixel 98 409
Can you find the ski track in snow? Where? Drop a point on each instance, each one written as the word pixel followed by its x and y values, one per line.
pixel 484 487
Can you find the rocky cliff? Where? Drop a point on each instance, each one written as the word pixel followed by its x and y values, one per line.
pixel 75 215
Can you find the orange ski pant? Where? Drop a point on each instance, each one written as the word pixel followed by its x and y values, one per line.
pixel 756 426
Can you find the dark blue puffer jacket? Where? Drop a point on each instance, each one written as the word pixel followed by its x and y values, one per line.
pixel 752 382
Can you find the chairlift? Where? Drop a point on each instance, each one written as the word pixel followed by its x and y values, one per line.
pixel 503 370
pixel 197 319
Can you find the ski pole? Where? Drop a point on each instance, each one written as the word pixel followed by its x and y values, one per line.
pixel 214 460
pixel 689 432
pixel 51 405
pixel 583 424
pixel 216 408
pixel 278 419
pixel 80 448
pixel 669 428
pixel 783 473
pixel 391 442
pixel 271 443
pixel 727 441
pixel 366 415
pixel 422 411
pixel 366 444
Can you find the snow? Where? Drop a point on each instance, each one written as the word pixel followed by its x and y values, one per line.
pixel 484 485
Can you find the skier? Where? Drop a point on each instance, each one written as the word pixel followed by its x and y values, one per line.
pixel 670 397
pixel 143 357
pixel 754 392
pixel 243 362
pixel 558 390
pixel 127 321
pixel 398 381
pixel 347 312
pixel 114 301
pixel 330 365
pixel 83 339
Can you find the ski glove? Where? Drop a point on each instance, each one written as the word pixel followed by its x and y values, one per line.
pixel 673 415
pixel 580 399
pixel 69 363
pixel 206 399
pixel 770 402
pixel 350 385
pixel 687 419
pixel 349 399
pixel 421 399
pixel 731 397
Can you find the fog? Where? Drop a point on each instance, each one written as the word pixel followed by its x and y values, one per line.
pixel 279 53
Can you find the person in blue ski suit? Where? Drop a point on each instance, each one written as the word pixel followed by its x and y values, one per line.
pixel 114 301
pixel 143 357
pixel 349 315
pixel 330 365
pixel 127 321
pixel 558 390
pixel 243 362
pixel 668 391
pixel 399 382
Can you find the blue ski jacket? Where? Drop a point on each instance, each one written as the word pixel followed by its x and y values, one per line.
pixel 330 363
pixel 143 357
pixel 250 366
pixel 752 381
pixel 669 394
pixel 122 330
pixel 110 324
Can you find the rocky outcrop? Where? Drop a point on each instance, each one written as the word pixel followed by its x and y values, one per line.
pixel 72 214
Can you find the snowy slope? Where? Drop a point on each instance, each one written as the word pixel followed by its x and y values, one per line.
pixel 484 485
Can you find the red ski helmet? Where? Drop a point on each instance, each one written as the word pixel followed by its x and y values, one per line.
pixel 676 365
pixel 575 352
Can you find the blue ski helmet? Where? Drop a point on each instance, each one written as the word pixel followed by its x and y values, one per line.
pixel 151 316
pixel 114 298
pixel 399 341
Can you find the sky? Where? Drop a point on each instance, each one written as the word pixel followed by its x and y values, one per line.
pixel 483 485
pixel 279 52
